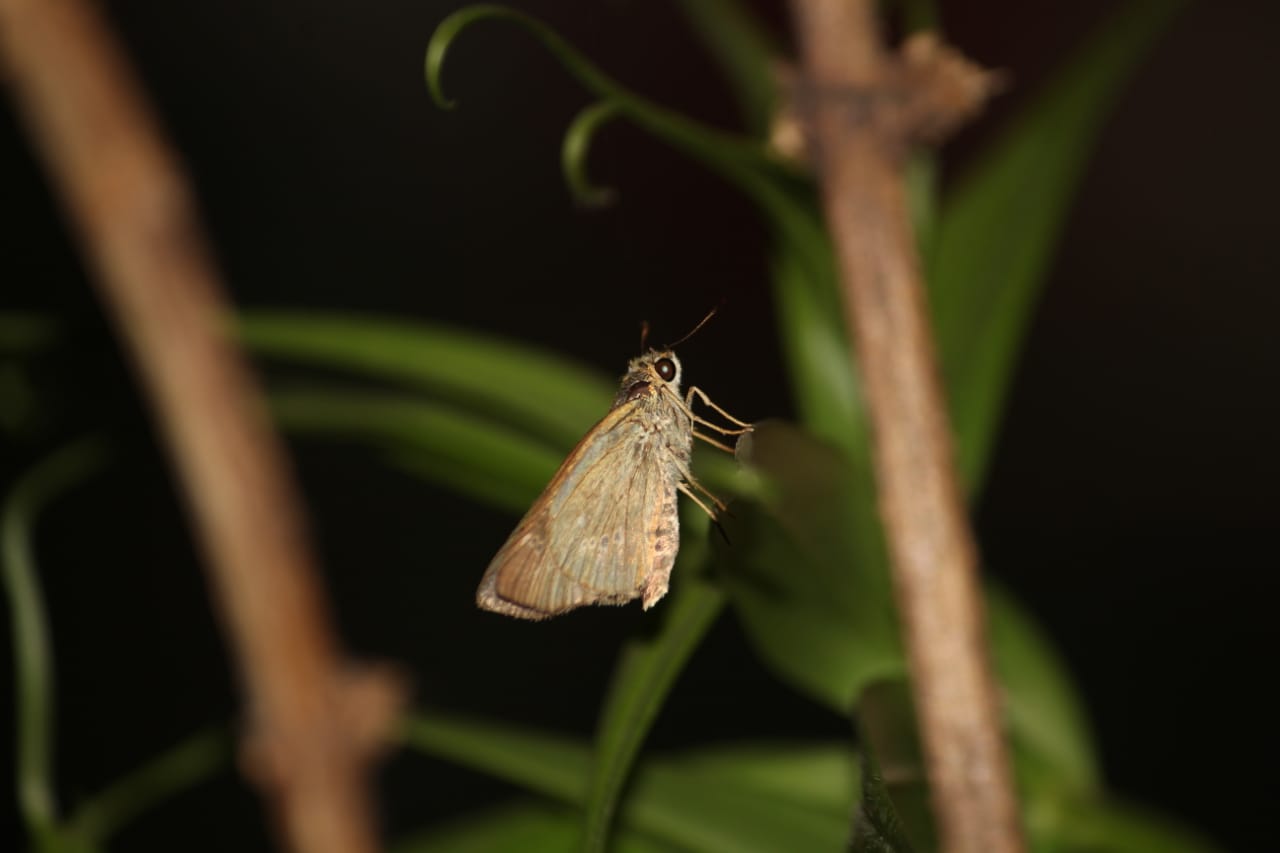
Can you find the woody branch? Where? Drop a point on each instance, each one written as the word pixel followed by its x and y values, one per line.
pixel 865 107
pixel 314 724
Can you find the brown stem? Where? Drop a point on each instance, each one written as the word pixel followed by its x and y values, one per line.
pixel 127 199
pixel 865 106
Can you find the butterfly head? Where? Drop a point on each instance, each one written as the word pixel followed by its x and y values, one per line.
pixel 650 374
pixel 661 367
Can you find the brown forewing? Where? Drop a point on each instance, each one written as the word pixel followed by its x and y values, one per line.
pixel 606 529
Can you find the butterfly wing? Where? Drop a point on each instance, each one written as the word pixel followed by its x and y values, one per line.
pixel 605 530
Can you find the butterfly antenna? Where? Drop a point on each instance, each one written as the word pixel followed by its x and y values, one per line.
pixel 695 329
pixel 644 334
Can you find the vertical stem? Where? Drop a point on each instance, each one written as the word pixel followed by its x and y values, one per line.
pixel 934 558
pixel 127 200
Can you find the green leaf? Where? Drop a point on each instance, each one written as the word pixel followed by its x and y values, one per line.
pixel 526 827
pixel 32 648
pixel 700 802
pixel 708 811
pixel 746 53
pixel 807 572
pixel 1000 225
pixel 475 457
pixel 1046 722
pixel 540 394
pixel 551 765
pixel 642 681
pixel 191 761
pixel 1111 827
pixel 816 348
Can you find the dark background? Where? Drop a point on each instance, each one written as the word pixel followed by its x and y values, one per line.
pixel 1132 502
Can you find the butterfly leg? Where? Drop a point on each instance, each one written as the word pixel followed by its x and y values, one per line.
pixel 693 497
pixel 687 485
pixel 702 395
pixel 711 441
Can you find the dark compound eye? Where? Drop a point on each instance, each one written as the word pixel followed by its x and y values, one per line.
pixel 666 369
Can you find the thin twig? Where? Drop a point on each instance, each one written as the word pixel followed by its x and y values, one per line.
pixel 864 106
pixel 311 721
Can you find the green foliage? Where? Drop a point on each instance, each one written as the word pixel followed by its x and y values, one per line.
pixel 807 576
pixel 751 798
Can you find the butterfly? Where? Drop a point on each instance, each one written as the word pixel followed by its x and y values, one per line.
pixel 606 529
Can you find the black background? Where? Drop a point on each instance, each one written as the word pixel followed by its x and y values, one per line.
pixel 1132 501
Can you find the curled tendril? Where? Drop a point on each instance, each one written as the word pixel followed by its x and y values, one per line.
pixel 574 150
pixel 743 161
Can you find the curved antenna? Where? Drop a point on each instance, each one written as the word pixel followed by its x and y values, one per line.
pixel 644 334
pixel 695 329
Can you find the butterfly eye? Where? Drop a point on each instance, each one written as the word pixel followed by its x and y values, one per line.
pixel 666 369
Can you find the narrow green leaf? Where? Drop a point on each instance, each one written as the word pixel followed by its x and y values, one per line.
pixel 701 812
pixel 551 765
pixel 524 827
pixel 32 649
pixel 189 762
pixel 485 461
pixel 816 348
pixel 745 52
pixel 1044 715
pixel 1112 827
pixel 686 801
pixel 822 776
pixel 521 385
pixel 642 680
pixel 1001 223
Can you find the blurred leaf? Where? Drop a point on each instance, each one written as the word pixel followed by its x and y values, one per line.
pixel 642 680
pixel 807 572
pixel 492 464
pixel 189 762
pixel 24 331
pixel 524 827
pixel 695 803
pixel 706 812
pixel 822 776
pixel 745 52
pixel 814 343
pixel 32 649
pixel 1000 225
pixel 543 395
pixel 1112 828
pixel 1044 715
